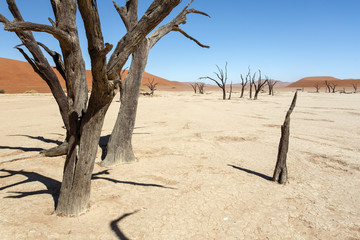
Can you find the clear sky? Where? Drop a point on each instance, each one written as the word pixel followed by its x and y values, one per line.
pixel 286 39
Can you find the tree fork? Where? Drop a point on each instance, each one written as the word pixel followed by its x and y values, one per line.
pixel 280 172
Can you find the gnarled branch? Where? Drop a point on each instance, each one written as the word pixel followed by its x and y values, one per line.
pixel 174 26
pixel 29 26
pixel 157 11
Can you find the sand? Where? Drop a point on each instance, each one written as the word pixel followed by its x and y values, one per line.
pixel 19 77
pixel 203 170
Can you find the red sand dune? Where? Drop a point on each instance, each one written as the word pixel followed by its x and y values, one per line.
pixel 19 77
pixel 311 81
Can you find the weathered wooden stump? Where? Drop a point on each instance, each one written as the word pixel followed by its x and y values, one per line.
pixel 280 172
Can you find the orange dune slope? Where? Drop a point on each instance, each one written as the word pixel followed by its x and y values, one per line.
pixel 19 77
pixel 311 82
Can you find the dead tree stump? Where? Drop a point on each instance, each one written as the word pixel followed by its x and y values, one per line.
pixel 280 172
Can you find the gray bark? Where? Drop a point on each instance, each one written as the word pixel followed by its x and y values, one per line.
pixel 119 148
pixel 280 173
pixel 85 122
pixel 42 67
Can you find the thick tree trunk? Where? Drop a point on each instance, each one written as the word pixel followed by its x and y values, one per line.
pixel 280 173
pixel 119 148
pixel 75 188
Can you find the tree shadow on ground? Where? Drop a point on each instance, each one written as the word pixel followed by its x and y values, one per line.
pixel 116 229
pixel 25 149
pixel 96 176
pixel 30 149
pixel 252 172
pixel 53 186
pixel 40 138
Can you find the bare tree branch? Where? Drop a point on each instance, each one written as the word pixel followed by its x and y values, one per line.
pixel 174 26
pixel 29 26
pixel 178 29
pixel 157 11
pixel 56 58
pixel 31 62
pixel 222 78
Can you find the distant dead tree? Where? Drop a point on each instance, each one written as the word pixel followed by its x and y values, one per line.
pixel 252 80
pixel 244 82
pixel 259 85
pixel 152 86
pixel 333 87
pixel 231 88
pixel 222 78
pixel 194 86
pixel 271 83
pixel 201 86
pixel 327 84
pixel 355 87
pixel 280 172
pixel 317 86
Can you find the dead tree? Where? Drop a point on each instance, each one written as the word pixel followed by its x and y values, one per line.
pixel 333 87
pixel 327 84
pixel 230 92
pixel 119 148
pixel 86 117
pixel 252 82
pixel 152 86
pixel 41 66
pixel 221 81
pixel 355 87
pixel 194 86
pixel 317 86
pixel 244 82
pixel 201 86
pixel 280 173
pixel 258 86
pixel 271 83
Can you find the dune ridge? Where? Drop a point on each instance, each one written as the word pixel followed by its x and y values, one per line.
pixel 19 77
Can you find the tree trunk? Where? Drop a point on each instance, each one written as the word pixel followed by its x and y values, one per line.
pixel 230 91
pixel 280 172
pixel 251 90
pixel 224 92
pixel 242 92
pixel 119 148
pixel 256 94
pixel 75 187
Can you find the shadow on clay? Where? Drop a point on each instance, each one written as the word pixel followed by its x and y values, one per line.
pixel 252 172
pixel 53 186
pixel 116 229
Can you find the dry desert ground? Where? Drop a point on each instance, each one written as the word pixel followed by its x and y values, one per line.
pixel 203 172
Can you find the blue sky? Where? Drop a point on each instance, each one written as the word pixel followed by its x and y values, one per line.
pixel 286 39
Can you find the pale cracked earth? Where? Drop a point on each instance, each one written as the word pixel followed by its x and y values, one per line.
pixel 203 171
